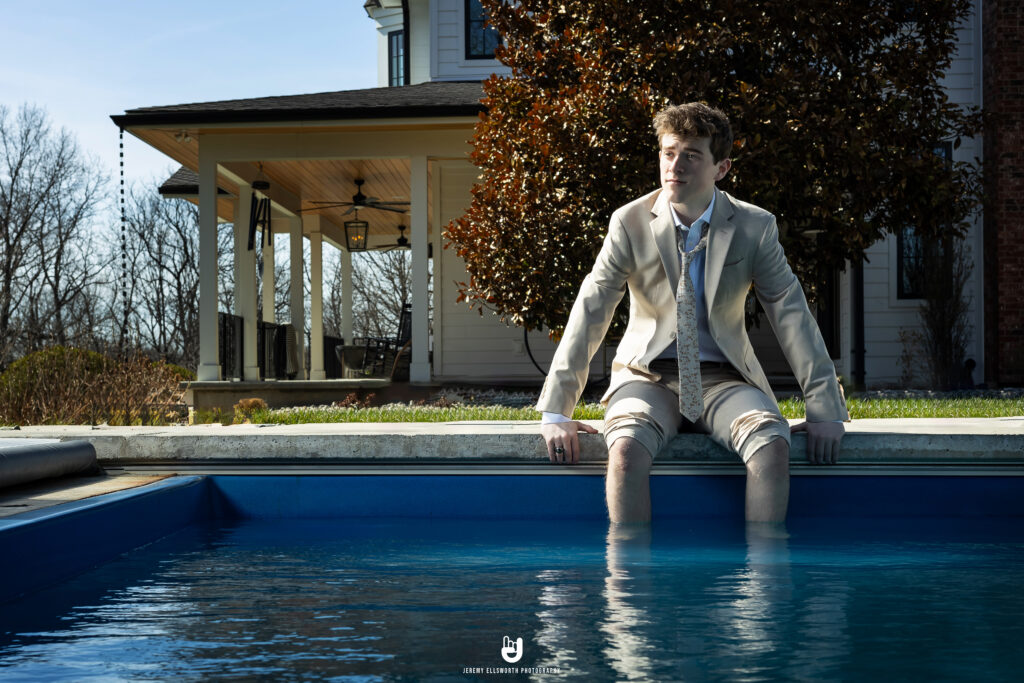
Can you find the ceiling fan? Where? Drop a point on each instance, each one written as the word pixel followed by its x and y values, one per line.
pixel 359 202
pixel 401 243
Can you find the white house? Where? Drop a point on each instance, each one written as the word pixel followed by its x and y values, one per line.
pixel 408 141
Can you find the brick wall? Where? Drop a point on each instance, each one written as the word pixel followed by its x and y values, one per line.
pixel 1003 41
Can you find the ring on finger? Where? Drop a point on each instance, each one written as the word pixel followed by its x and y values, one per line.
pixel 559 450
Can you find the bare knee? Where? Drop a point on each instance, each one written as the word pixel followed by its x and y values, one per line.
pixel 770 461
pixel 628 456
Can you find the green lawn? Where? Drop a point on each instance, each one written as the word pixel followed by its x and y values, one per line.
pixel 791 408
pixel 922 407
pixel 412 413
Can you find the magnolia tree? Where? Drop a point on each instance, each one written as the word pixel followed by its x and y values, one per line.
pixel 837 110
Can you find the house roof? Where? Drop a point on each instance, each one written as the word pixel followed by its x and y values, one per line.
pixel 185 181
pixel 436 98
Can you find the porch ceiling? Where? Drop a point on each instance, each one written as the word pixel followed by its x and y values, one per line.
pixel 334 181
pixel 323 180
pixel 436 111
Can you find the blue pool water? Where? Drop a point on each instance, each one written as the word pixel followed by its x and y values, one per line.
pixel 402 599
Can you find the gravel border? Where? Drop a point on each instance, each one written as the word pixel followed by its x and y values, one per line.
pixel 928 393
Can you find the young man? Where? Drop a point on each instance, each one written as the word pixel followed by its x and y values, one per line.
pixel 685 361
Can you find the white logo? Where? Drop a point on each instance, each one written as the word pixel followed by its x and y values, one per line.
pixel 512 652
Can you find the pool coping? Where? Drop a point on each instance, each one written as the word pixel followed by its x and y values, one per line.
pixel 893 441
pixel 67 507
pixel 47 493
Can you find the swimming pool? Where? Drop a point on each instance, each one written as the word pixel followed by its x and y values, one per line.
pixel 403 577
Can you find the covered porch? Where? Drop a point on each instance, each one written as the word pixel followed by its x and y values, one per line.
pixel 307 165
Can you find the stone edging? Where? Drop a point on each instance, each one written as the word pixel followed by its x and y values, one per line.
pixel 998 440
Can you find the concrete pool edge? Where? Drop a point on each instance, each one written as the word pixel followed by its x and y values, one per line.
pixel 929 440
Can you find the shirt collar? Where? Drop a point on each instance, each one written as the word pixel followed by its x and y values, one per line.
pixel 706 216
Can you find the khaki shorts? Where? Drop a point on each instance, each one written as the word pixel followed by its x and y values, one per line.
pixel 736 414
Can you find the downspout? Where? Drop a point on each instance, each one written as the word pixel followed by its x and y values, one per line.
pixel 858 326
pixel 406 42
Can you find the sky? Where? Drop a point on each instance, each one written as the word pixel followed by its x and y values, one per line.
pixel 84 61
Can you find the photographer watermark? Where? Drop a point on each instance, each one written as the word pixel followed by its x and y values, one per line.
pixel 511 652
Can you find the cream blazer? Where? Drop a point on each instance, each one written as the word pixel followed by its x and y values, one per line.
pixel 640 254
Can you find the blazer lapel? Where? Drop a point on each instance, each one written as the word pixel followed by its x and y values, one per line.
pixel 663 229
pixel 719 237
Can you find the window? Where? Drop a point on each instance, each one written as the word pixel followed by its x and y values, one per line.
pixel 904 12
pixel 913 255
pixel 908 265
pixel 480 38
pixel 396 58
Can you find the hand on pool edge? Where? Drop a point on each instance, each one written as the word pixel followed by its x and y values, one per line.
pixel 823 440
pixel 564 434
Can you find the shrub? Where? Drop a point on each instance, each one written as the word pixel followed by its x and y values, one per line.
pixel 63 385
pixel 937 350
pixel 182 374
pixel 245 408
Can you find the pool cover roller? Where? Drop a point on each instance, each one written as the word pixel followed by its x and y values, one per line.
pixel 24 463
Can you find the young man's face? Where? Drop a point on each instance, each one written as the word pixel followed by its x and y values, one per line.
pixel 688 169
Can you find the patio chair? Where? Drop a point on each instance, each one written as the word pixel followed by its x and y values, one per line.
pixel 382 352
pixel 400 366
pixel 352 358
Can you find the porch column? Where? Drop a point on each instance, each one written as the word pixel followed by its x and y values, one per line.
pixel 268 283
pixel 316 298
pixel 245 284
pixel 297 301
pixel 209 360
pixel 346 295
pixel 419 368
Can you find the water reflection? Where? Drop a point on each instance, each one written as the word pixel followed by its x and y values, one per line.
pixel 719 607
pixel 679 601
pixel 563 607
pixel 627 591
pixel 757 600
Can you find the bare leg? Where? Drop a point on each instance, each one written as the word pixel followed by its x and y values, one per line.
pixel 627 486
pixel 768 484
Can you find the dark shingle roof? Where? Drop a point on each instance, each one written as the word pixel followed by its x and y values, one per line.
pixel 184 182
pixel 437 98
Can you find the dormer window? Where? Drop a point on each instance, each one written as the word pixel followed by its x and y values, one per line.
pixel 480 38
pixel 396 58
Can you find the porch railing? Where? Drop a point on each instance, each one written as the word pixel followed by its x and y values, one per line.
pixel 332 365
pixel 230 345
pixel 276 356
pixel 272 347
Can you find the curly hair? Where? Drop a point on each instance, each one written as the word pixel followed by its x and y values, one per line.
pixel 697 120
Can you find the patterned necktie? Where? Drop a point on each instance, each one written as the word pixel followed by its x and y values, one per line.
pixel 691 400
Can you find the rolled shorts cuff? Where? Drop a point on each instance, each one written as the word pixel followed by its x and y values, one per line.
pixel 636 429
pixel 644 411
pixel 755 429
